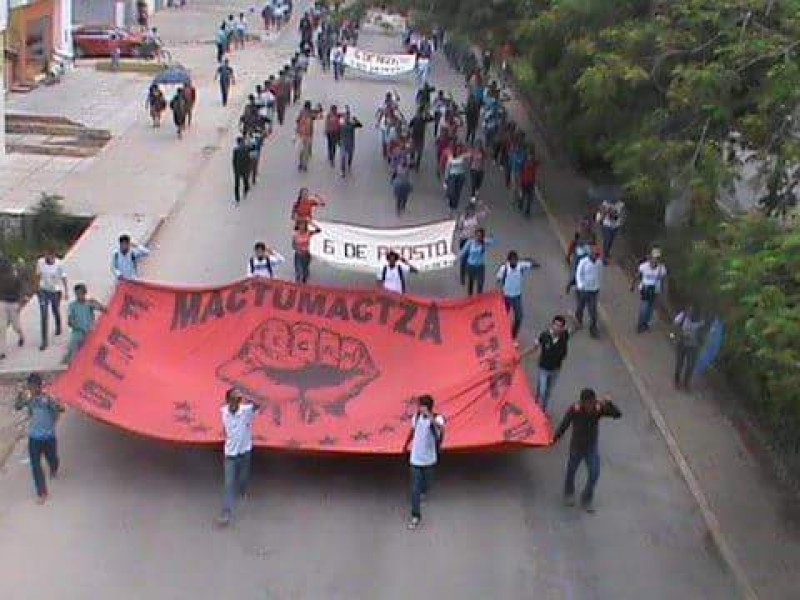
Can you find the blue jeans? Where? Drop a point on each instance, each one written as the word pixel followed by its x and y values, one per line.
pixel 514 303
pixel 592 458
pixel 302 266
pixel 587 300
pixel 237 476
pixel 645 313
pixel 48 301
pixel 546 381
pixel 420 483
pixel 476 274
pixel 36 448
pixel 455 183
pixel 609 234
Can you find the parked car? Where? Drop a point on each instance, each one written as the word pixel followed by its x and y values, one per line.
pixel 100 41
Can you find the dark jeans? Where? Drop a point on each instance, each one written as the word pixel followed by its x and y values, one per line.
pixel 237 476
pixel 224 88
pixel 37 448
pixel 333 141
pixel 527 193
pixel 346 155
pixel 587 300
pixel 49 301
pixel 514 303
pixel 338 70
pixel 420 484
pixel 592 459
pixel 240 178
pixel 609 235
pixel 455 183
pixel 685 359
pixel 220 52
pixel 280 108
pixel 475 278
pixel 646 308
pixel 401 193
pixel 302 266
pixel 462 264
pixel 476 178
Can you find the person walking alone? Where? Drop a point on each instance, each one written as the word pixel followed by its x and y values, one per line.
pixel 584 418
pixel 44 412
pixel 226 79
pixel 424 443
pixel 553 345
pixel 587 284
pixel 237 422
pixel 11 302
pixel 241 169
pixel 50 277
pixel 509 276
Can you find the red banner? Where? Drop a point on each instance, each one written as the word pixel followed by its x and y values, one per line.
pixel 334 370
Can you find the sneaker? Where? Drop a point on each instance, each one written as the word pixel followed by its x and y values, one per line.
pixel 43 347
pixel 21 342
pixel 224 519
pixel 413 523
pixel 569 500
pixel 588 507
pixel 2 356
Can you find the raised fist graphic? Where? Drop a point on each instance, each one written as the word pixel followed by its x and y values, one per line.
pixel 317 369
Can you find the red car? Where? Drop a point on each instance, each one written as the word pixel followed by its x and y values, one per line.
pixel 100 40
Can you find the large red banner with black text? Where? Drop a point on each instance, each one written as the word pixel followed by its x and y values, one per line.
pixel 334 370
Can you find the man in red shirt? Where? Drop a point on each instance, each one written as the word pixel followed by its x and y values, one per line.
pixel 303 209
pixel 527 182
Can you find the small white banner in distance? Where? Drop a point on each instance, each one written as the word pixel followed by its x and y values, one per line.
pixel 427 247
pixel 385 65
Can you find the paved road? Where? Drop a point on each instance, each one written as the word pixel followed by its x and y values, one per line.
pixel 135 518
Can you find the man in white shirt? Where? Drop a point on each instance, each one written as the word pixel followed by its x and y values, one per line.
pixel 125 260
pixel 424 441
pixel 650 278
pixel 263 261
pixel 392 276
pixel 509 276
pixel 51 279
pixel 611 216
pixel 237 422
pixel 587 285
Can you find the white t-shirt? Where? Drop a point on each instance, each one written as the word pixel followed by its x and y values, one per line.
pixel 613 214
pixel 423 444
pixel 652 276
pixel 51 276
pixel 394 277
pixel 263 267
pixel 238 429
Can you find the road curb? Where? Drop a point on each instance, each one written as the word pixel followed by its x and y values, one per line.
pixel 709 516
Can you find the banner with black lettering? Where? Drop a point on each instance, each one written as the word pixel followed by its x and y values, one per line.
pixel 384 65
pixel 428 247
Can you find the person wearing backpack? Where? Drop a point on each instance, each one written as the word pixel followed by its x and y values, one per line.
pixel 424 442
pixel 263 261
pixel 509 276
pixel 125 260
pixel 392 275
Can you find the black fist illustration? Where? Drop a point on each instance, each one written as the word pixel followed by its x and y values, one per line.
pixel 317 369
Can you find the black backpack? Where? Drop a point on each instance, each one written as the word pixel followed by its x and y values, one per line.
pixel 399 274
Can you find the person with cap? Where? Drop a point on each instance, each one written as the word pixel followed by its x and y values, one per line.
pixel 237 423
pixel 509 277
pixel 392 275
pixel 584 418
pixel 43 412
pixel 650 279
pixel 587 284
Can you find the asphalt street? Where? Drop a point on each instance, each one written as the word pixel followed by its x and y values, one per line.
pixel 134 518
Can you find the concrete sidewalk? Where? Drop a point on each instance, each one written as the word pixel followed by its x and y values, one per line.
pixel 143 174
pixel 753 521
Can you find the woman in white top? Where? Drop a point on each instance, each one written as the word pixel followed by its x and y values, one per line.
pixel 50 278
pixel 651 283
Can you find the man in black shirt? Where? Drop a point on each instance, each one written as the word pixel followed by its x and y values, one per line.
pixel 552 347
pixel 241 168
pixel 584 418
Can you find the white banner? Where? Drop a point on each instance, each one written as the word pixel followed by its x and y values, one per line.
pixel 427 247
pixel 386 65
